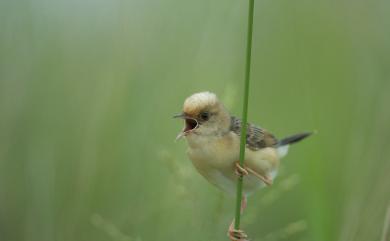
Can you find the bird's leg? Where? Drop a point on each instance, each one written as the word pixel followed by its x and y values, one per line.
pixel 243 203
pixel 243 171
pixel 234 234
pixel 266 179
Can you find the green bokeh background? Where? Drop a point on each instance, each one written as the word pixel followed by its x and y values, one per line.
pixel 88 89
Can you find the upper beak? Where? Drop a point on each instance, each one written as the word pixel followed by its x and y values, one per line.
pixel 181 115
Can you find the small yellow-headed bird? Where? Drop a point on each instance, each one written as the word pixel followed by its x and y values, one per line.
pixel 213 137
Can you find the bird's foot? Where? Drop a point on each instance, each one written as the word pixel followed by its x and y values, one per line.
pixel 236 235
pixel 239 170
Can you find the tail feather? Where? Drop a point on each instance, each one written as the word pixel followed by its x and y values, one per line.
pixel 294 138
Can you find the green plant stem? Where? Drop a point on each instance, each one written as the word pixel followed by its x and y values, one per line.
pixel 244 111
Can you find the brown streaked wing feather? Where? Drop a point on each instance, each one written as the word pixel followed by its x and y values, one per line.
pixel 256 137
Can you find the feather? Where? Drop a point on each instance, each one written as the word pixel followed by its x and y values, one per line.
pixel 256 137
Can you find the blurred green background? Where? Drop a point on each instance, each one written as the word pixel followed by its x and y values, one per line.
pixel 88 89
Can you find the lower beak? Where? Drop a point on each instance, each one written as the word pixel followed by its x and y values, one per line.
pixel 190 123
pixel 180 135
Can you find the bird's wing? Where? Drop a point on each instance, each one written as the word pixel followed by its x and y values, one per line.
pixel 256 137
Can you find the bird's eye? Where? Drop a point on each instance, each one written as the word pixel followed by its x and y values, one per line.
pixel 205 116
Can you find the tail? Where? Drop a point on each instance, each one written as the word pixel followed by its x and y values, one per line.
pixel 294 138
pixel 282 146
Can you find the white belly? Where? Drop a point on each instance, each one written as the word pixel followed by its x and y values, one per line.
pixel 215 158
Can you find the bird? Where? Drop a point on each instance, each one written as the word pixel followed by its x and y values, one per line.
pixel 213 138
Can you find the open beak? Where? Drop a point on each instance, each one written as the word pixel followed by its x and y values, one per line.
pixel 190 124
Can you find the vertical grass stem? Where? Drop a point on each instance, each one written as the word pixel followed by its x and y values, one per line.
pixel 244 111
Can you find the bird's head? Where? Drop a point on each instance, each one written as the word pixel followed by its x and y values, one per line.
pixel 204 114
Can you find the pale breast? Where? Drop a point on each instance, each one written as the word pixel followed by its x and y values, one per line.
pixel 208 152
